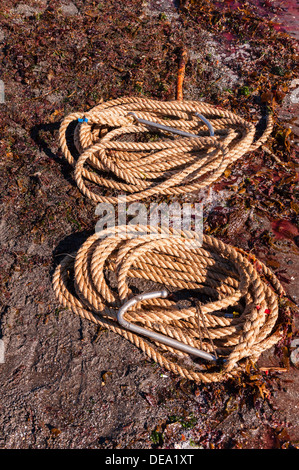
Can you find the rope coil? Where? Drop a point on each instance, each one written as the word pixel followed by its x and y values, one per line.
pixel 116 153
pixel 238 295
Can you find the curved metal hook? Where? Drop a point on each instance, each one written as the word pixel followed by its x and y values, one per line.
pixel 210 127
pixel 172 129
pixel 152 334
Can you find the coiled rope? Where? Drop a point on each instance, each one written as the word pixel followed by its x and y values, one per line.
pixel 110 151
pixel 229 301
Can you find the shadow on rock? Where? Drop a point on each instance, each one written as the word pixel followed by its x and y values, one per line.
pixel 38 134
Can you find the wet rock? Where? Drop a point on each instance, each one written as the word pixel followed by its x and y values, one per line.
pixel 55 98
pixel 2 35
pixel 294 95
pixel 294 343
pixel 69 9
pixel 289 109
pixel 26 11
pixel 166 9
pixel 294 357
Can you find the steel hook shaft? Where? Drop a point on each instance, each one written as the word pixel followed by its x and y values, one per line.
pixel 152 334
pixel 172 129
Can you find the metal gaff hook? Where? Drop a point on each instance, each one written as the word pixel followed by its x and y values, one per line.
pixel 172 129
pixel 152 334
pixel 210 127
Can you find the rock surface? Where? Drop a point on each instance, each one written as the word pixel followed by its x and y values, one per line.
pixel 65 383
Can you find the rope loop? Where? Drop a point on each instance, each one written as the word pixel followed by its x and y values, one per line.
pixel 116 152
pixel 238 296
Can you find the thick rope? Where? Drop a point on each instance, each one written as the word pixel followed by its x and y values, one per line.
pixel 114 152
pixel 238 295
